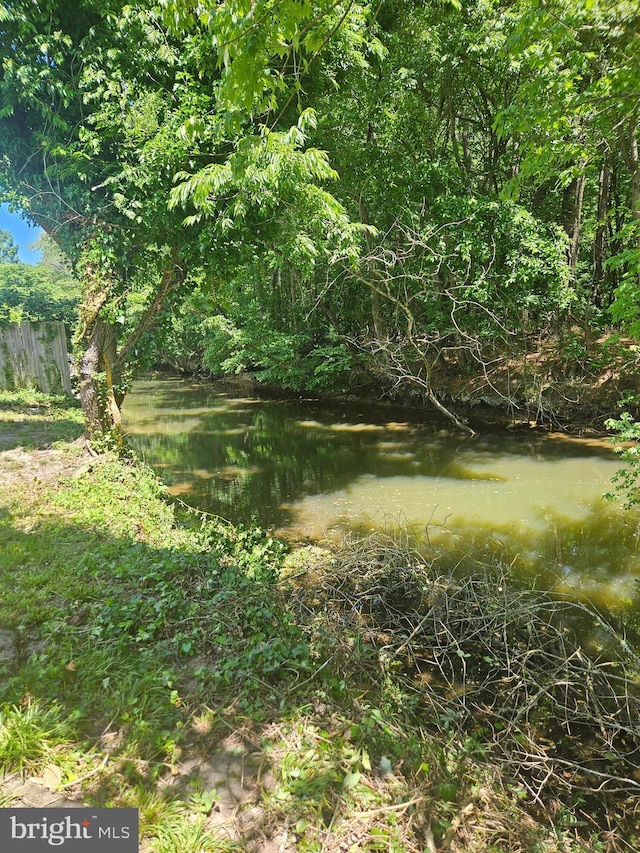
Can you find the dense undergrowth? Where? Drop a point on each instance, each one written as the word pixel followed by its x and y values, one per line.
pixel 391 708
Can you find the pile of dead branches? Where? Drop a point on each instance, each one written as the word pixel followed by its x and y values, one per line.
pixel 490 657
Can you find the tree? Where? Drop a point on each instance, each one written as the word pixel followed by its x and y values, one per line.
pixel 8 249
pixel 102 106
pixel 33 293
pixel 50 170
pixel 455 268
pixel 575 118
pixel 51 258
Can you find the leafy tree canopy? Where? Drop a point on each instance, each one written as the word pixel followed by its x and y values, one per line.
pixel 326 177
pixel 35 293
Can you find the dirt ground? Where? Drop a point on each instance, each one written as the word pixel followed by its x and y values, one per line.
pixel 28 469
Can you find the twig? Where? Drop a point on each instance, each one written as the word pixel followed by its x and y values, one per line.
pixel 86 776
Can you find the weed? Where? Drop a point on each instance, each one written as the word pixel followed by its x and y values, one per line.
pixel 203 801
pixel 187 834
pixel 31 735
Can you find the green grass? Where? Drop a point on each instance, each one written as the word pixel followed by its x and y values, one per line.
pixel 115 598
pixel 31 419
pixel 30 736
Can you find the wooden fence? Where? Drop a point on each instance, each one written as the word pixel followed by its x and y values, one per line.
pixel 34 355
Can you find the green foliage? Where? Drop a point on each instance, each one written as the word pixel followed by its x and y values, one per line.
pixel 270 184
pixel 491 255
pixel 194 592
pixel 50 255
pixel 627 441
pixel 8 249
pixel 574 110
pixel 482 264
pixel 189 834
pixel 296 361
pixel 265 51
pixel 183 339
pixel 111 484
pixel 26 398
pixel 209 594
pixel 625 309
pixel 30 735
pixel 160 117
pixel 37 293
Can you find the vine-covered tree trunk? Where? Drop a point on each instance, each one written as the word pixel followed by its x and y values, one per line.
pixel 98 397
pixel 96 343
pixel 101 363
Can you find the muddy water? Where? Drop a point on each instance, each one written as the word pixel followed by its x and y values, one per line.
pixel 530 501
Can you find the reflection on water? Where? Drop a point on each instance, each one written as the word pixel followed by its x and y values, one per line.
pixel 531 500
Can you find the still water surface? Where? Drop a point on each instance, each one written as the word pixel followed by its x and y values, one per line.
pixel 529 500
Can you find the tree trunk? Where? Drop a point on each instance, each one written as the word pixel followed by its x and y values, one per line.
pixel 572 218
pixel 599 296
pixel 101 366
pixel 96 342
pixel 631 157
pixel 100 403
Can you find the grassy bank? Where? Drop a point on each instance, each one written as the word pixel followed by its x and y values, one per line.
pixel 246 698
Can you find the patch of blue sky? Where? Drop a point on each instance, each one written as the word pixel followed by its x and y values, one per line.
pixel 23 234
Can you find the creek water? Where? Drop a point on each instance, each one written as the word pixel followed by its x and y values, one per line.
pixel 531 501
